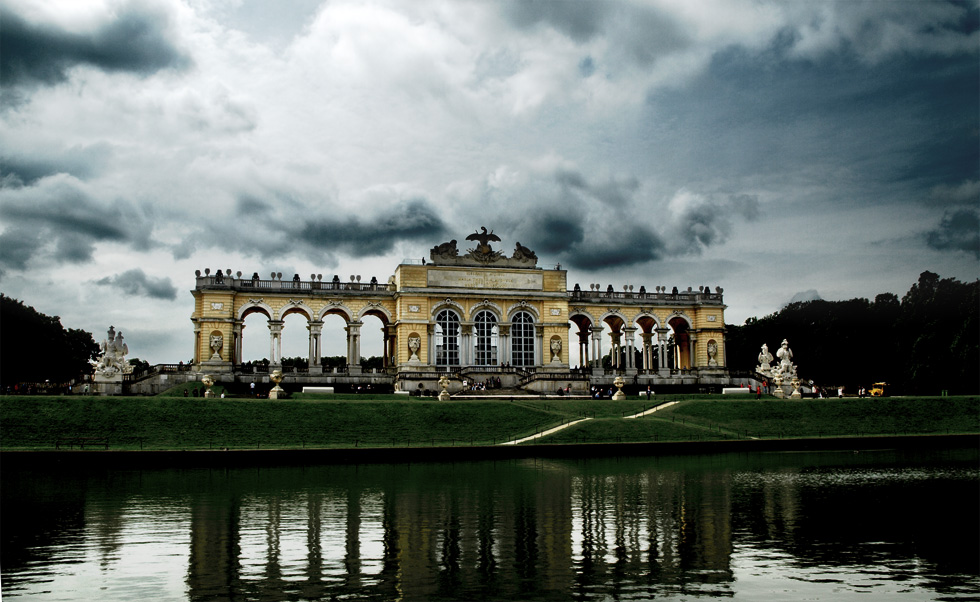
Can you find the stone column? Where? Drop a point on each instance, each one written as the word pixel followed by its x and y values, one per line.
pixel 692 341
pixel 597 348
pixel 386 347
pixel 503 343
pixel 466 344
pixel 354 347
pixel 583 348
pixel 315 327
pixel 237 334
pixel 647 338
pixel 662 334
pixel 275 342
pixel 431 344
pixel 614 347
pixel 630 331
pixel 538 344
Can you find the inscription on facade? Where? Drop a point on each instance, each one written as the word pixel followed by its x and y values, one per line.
pixel 486 280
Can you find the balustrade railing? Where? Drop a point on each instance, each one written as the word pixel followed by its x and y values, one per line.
pixel 310 286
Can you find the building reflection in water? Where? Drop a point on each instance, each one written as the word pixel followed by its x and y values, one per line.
pixel 525 529
pixel 534 529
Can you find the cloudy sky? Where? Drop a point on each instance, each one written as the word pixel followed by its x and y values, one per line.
pixel 776 149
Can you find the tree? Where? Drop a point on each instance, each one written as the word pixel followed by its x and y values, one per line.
pixel 928 342
pixel 35 347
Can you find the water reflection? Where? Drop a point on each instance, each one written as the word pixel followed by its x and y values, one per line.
pixel 822 526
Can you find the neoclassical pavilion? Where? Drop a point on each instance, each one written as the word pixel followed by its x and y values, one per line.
pixel 474 312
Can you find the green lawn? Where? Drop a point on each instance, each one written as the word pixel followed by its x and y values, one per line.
pixel 830 417
pixel 41 422
pixel 195 423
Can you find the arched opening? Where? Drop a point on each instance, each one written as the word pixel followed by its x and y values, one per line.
pixel 333 341
pixel 295 341
pixel 522 339
pixel 648 352
pixel 486 335
pixel 255 339
pixel 680 358
pixel 374 340
pixel 447 338
pixel 616 359
pixel 580 355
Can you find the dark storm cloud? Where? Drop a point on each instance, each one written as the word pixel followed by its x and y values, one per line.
pixel 705 221
pixel 635 34
pixel 628 245
pixel 135 282
pixel 578 20
pixel 137 41
pixel 959 230
pixel 80 162
pixel 17 246
pixel 410 220
pixel 912 120
pixel 61 212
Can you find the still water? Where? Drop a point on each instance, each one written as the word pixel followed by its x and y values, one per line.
pixel 766 526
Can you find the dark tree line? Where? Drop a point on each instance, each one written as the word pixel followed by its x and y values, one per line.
pixel 926 342
pixel 35 347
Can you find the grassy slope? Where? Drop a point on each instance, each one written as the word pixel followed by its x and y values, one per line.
pixel 195 423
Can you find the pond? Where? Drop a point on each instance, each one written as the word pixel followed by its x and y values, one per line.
pixel 760 526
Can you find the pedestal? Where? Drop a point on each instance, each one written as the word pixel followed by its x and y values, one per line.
pixel 276 392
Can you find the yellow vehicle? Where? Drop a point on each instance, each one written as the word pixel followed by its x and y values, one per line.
pixel 878 389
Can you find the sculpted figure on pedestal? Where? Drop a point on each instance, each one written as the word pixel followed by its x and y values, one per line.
pixel 785 355
pixel 765 359
pixel 112 360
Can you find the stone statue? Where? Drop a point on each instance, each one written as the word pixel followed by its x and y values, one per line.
pixel 712 352
pixel 446 250
pixel 216 342
pixel 483 251
pixel 765 359
pixel 785 355
pixel 521 252
pixel 555 350
pixel 112 361
pixel 276 378
pixel 414 344
pixel 444 383
pixel 618 382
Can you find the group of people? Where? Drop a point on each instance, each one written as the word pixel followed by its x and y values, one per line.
pixel 475 385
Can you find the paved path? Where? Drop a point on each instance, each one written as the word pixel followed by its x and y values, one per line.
pixel 652 410
pixel 544 433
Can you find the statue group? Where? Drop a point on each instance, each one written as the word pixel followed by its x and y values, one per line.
pixel 784 371
pixel 112 362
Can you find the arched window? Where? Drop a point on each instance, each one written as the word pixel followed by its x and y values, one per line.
pixel 447 338
pixel 485 329
pixel 522 339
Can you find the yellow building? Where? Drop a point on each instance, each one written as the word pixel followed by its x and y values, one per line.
pixel 476 314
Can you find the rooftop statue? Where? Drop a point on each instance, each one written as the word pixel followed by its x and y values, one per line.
pixel 483 253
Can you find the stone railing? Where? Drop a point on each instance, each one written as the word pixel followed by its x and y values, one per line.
pixel 215 281
pixel 662 297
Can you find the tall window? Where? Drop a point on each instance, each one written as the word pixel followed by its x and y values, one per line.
pixel 522 339
pixel 485 329
pixel 447 338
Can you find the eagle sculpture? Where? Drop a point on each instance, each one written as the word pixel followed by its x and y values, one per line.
pixel 483 241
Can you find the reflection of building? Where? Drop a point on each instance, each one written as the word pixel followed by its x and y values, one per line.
pixel 536 529
pixel 473 314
